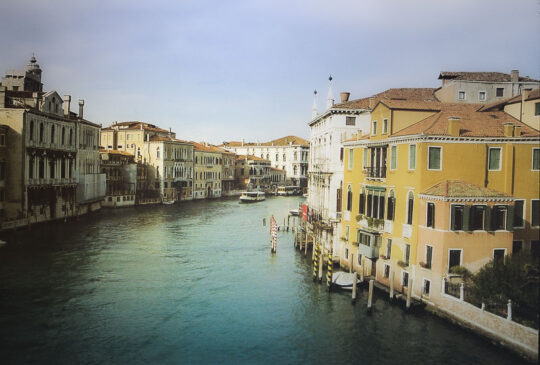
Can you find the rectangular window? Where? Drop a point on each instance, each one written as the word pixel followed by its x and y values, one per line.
pixel 494 159
pixel 461 95
pixel 350 121
pixel 362 203
pixel 405 279
pixel 407 253
pixel 535 248
pixel 478 217
pixel 457 217
pixel 388 248
pixel 499 217
pixel 454 258
pixel 535 213
pixel 2 170
pixel 412 157
pixel 519 210
pixel 434 158
pixel 426 287
pixel 498 254
pixel 482 96
pixel 393 157
pixel 537 108
pixel 391 208
pixel 366 157
pixel 374 128
pixel 516 246
pixel 2 139
pixel 430 215
pixel 369 204
pixel 536 159
pixel 351 158
pixel 386 273
pixel 429 256
pixel 341 154
pixel 385 126
pixel 375 206
pixel 499 92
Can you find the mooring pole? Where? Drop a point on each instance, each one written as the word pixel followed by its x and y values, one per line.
pixel 370 294
pixel 409 293
pixel 354 284
pixel 329 271
pixel 321 261
pixel 315 261
pixel 392 285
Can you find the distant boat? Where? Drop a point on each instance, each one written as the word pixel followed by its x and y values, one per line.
pixel 305 195
pixel 252 196
pixel 169 202
pixel 294 211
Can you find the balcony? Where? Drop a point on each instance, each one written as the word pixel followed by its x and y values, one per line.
pixel 375 172
pixel 370 251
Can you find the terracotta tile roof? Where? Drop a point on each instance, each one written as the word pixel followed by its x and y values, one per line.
pixel 284 141
pixel 355 137
pixel 432 105
pixel 419 94
pixel 499 104
pixel 132 125
pixel 204 148
pixel 461 189
pixel 480 76
pixel 251 157
pixel 116 152
pixel 474 123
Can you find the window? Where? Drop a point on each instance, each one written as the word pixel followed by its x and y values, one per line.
pixel 537 108
pixel 494 159
pixel 454 258
pixel 350 120
pixel 362 202
pixel 498 254
pixel 434 158
pixel 349 198
pixel 410 206
pixel 347 233
pixel 346 253
pixel 351 158
pixel 52 134
pixel 374 128
pixel 499 217
pixel 2 139
pixel 338 199
pixel 391 206
pixel 516 246
pixel 457 217
pixel 478 213
pixel 284 158
pixel 430 221
pixel 535 213
pixel 535 248
pixel 393 157
pixel 519 210
pixel 385 126
pixel 41 132
pixel 536 159
pixel 407 253
pixel 429 256
pixel 388 248
pixel 405 279
pixel 31 137
pixel 365 157
pixel 499 92
pixel 426 287
pixel 412 157
pixel 386 273
pixel 482 96
pixel 461 95
pixel 341 154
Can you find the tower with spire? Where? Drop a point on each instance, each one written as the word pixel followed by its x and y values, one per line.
pixel 28 79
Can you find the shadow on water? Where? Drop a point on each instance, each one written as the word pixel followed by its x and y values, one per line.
pixel 195 283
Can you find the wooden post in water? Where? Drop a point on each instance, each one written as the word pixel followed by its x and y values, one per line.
pixel 305 244
pixel 321 261
pixel 354 284
pixel 392 285
pixel 409 293
pixel 329 270
pixel 370 294
pixel 362 272
pixel 351 262
pixel 315 261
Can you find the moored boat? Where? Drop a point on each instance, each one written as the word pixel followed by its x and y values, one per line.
pixel 252 196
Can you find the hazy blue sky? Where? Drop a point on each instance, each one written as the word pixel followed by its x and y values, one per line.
pixel 222 70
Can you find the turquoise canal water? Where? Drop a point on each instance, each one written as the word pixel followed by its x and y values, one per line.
pixel 196 283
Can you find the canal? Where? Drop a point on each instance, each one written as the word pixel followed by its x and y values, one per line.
pixel 196 283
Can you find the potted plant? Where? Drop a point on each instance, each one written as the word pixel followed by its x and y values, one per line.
pixel 402 263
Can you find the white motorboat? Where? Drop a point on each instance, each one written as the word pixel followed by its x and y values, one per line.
pixel 343 280
pixel 252 196
pixel 169 202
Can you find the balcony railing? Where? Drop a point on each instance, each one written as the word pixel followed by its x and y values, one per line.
pixel 375 171
pixel 370 251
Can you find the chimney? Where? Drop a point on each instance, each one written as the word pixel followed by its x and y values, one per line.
pixel 81 108
pixel 454 126
pixel 517 131
pixel 508 129
pixel 67 102
pixel 2 96
pixel 371 100
pixel 344 96
pixel 514 77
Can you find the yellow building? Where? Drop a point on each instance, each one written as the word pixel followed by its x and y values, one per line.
pixel 525 107
pixel 393 173
pixel 207 168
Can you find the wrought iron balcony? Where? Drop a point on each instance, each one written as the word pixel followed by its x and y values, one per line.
pixel 378 172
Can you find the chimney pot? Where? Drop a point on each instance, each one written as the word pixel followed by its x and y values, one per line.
pixel 508 129
pixel 517 131
pixel 344 96
pixel 81 108
pixel 67 102
pixel 454 126
pixel 514 77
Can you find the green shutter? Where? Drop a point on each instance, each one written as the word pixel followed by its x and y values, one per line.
pixel 487 218
pixel 536 158
pixel 494 158
pixel 393 157
pixel 466 217
pixel 434 158
pixel 412 156
pixel 510 218
pixel 452 217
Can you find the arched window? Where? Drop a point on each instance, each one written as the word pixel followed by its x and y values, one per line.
pixel 31 130
pixel 391 206
pixel 410 205
pixel 41 130
pixel 157 152
pixel 349 198
pixel 362 202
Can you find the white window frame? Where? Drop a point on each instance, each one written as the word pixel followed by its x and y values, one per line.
pixel 424 286
pixel 499 248
pixel 427 212
pixel 403 272
pixel 388 240
pixel 385 126
pixel 384 270
pixel 460 257
pixel 500 158
pixel 365 157
pixel 441 159
pixel 415 153
pixel 374 128
pixel 391 149
pixel 480 93
pixel 532 159
pixel 531 213
pixel 425 255
pixel 524 213
pixel 464 95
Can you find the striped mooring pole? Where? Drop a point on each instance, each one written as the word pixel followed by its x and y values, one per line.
pixel 316 262
pixel 329 272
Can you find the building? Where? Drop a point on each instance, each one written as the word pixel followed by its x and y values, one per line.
pixel 52 156
pixel 524 107
pixel 289 153
pixel 121 171
pixel 482 87
pixel 227 173
pixel 207 168
pixel 277 177
pixel 252 173
pixel 444 185
pixel 3 167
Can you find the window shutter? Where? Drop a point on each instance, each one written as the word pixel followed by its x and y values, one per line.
pixel 466 217
pixel 452 217
pixel 487 218
pixel 381 207
pixel 509 218
pixel 362 207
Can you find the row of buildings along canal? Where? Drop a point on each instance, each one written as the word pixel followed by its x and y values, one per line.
pixel 55 164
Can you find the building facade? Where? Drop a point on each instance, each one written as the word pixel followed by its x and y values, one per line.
pixel 207 168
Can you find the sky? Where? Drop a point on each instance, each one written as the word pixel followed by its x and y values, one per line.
pixel 215 70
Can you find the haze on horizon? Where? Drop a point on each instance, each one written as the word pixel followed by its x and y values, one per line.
pixel 231 70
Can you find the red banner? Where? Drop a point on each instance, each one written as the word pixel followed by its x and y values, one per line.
pixel 304 211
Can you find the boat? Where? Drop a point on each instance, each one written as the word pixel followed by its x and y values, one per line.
pixel 343 280
pixel 294 212
pixel 169 202
pixel 252 196
pixel 288 190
